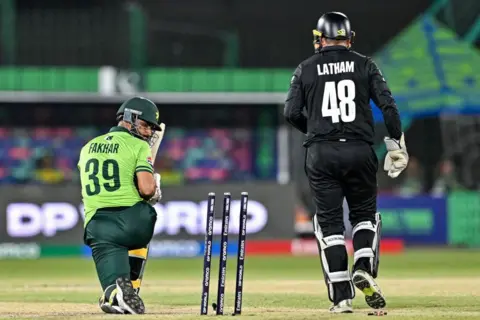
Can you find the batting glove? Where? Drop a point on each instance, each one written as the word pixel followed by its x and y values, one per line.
pixel 158 192
pixel 397 157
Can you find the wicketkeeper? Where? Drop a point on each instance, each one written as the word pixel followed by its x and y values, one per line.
pixel 329 101
pixel 119 188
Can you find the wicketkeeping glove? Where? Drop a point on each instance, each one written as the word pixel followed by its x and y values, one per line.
pixel 397 157
pixel 158 192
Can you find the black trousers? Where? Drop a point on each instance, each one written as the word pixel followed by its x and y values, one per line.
pixel 336 170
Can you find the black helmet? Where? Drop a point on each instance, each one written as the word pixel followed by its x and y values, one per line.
pixel 141 108
pixel 333 25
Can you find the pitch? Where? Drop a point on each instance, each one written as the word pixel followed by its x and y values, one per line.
pixel 420 284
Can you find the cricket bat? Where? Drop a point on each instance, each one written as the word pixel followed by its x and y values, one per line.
pixel 158 137
pixel 143 253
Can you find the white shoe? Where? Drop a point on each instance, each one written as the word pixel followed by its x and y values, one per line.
pixel 365 283
pixel 344 306
pixel 108 308
pixel 127 298
pixel 110 305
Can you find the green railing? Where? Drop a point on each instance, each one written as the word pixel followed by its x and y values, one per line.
pixel 221 80
pixel 49 79
pixel 155 80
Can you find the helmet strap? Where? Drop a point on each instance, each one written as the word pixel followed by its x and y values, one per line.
pixel 131 116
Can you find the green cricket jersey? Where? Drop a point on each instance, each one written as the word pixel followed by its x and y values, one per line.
pixel 107 165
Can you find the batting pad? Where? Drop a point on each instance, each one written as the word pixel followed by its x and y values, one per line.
pixel 137 259
pixel 138 253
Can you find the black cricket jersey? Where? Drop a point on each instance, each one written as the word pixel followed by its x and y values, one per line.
pixel 335 87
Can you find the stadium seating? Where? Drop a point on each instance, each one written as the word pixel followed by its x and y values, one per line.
pixel 185 155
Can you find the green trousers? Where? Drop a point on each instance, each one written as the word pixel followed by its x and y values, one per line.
pixel 114 231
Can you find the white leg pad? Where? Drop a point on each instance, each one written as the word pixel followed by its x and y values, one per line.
pixel 372 253
pixel 331 277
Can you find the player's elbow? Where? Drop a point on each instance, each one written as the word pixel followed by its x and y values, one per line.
pixel 146 184
pixel 291 119
pixel 290 115
pixel 295 118
pixel 147 194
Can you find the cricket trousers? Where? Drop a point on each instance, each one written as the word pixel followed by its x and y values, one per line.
pixel 112 232
pixel 338 170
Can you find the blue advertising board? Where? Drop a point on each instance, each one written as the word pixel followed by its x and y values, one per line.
pixel 417 220
pixel 179 248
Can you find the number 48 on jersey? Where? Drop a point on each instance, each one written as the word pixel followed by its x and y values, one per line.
pixel 338 101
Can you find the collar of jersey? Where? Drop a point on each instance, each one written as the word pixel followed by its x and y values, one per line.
pixel 334 48
pixel 119 129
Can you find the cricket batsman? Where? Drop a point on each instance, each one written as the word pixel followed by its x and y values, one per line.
pixel 119 188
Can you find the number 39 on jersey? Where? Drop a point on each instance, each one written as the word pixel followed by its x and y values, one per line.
pixel 338 101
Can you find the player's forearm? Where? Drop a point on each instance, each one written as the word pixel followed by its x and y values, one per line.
pixel 146 184
pixel 392 122
pixel 147 196
pixel 387 105
pixel 298 121
pixel 391 117
pixel 293 113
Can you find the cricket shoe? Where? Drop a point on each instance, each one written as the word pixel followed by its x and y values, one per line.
pixel 344 306
pixel 110 305
pixel 127 298
pixel 109 308
pixel 373 295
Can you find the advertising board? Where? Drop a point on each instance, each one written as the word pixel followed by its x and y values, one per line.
pixel 54 215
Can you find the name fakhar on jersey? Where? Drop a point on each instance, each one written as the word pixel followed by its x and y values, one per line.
pixel 103 148
pixel 335 68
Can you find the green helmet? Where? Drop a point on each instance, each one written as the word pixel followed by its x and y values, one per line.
pixel 140 108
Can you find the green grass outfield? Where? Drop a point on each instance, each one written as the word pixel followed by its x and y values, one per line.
pixel 420 284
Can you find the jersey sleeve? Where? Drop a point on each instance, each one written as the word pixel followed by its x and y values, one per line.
pixel 382 96
pixel 144 159
pixel 295 102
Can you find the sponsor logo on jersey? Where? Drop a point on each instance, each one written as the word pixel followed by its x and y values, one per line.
pixel 149 160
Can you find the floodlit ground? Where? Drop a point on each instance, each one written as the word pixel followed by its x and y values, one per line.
pixel 420 284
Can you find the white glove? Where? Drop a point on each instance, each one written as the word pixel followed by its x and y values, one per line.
pixel 158 192
pixel 397 157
